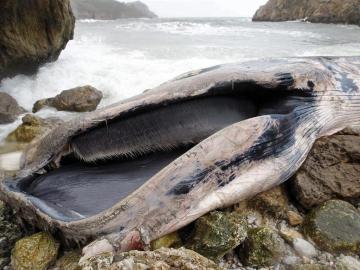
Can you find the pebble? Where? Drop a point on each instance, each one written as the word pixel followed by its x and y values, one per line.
pixel 304 248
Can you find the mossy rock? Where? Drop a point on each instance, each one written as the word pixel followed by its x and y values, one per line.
pixel 100 262
pixel 334 227
pixel 164 259
pixel 69 261
pixel 10 232
pixel 31 128
pixel 263 247
pixel 218 233
pixel 167 241
pixel 36 252
pixel 272 203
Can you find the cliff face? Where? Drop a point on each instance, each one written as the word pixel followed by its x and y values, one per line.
pixel 110 9
pixel 32 32
pixel 317 11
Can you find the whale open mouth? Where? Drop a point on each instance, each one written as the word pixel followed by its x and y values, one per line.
pixel 116 157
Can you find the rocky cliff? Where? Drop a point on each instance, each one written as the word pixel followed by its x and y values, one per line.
pixel 32 33
pixel 110 9
pixel 317 11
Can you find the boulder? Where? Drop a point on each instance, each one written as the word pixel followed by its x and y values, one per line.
pixel 217 233
pixel 331 171
pixel 317 11
pixel 263 247
pixel 110 9
pixel 32 33
pixel 334 227
pixel 36 252
pixel 9 109
pixel 79 99
pixel 31 128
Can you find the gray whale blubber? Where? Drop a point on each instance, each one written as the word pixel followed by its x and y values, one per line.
pixel 204 140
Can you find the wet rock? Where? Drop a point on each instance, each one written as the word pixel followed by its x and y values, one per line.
pixel 167 241
pixel 263 247
pixel 317 11
pixel 79 99
pixel 331 171
pixel 347 263
pixel 217 233
pixel 10 232
pixel 70 261
pixel 273 202
pixel 334 227
pixel 36 252
pixel 31 128
pixel 32 33
pixel 163 259
pixel 9 109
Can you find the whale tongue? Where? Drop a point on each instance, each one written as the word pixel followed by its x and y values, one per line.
pixel 78 190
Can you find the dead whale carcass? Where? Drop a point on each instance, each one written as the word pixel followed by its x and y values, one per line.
pixel 149 165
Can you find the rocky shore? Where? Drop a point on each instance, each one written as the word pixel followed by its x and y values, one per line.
pixel 316 11
pixel 110 9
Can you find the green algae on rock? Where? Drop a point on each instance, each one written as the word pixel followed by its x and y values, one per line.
pixel 263 247
pixel 334 227
pixel 217 233
pixel 167 241
pixel 36 252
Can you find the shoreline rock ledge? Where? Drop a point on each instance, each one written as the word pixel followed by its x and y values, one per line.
pixel 316 11
pixel 33 33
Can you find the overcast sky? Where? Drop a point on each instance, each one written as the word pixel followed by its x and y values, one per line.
pixel 203 8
